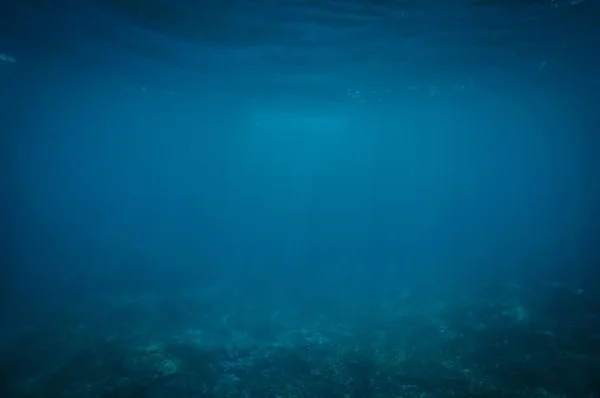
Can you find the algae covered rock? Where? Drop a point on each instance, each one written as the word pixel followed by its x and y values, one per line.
pixel 7 58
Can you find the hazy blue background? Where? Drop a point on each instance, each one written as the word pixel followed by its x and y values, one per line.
pixel 316 148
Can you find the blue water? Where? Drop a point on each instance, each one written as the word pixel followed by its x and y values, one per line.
pixel 201 185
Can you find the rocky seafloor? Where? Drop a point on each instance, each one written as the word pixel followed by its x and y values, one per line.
pixel 499 341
